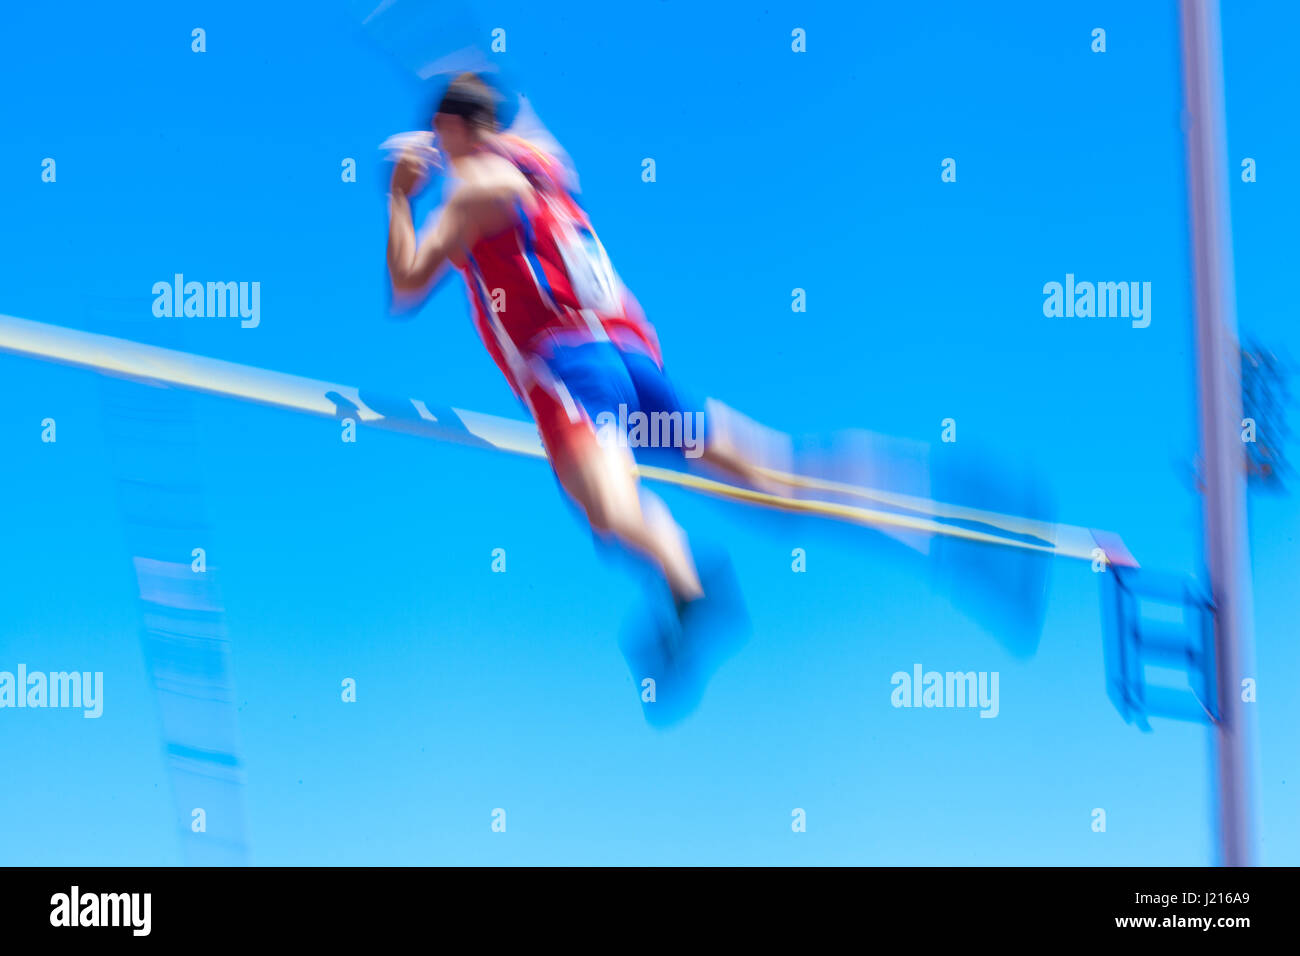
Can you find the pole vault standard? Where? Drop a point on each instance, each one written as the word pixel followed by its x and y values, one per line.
pixel 890 511
pixel 1218 364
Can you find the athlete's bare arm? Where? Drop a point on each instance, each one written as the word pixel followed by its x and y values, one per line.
pixel 480 205
pixel 412 266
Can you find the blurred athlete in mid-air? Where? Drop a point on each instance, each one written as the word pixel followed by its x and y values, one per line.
pixel 572 343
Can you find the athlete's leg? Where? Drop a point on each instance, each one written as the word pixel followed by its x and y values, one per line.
pixel 603 482
pixel 600 476
pixel 736 446
pixel 754 454
pixel 679 644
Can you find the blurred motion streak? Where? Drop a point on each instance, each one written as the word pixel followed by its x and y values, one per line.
pixel 151 434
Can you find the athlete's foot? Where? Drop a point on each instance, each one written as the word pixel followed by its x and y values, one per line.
pixel 713 625
pixel 681 643
pixel 653 646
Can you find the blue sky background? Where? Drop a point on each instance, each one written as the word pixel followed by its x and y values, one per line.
pixel 775 171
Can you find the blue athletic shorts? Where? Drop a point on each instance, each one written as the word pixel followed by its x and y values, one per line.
pixel 614 386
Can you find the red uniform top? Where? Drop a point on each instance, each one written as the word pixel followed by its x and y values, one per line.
pixel 547 274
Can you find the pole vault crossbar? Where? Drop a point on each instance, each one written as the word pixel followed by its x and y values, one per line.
pixel 897 512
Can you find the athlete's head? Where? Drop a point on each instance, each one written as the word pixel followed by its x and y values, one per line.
pixel 466 114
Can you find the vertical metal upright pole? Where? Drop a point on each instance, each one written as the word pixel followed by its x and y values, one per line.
pixel 1224 460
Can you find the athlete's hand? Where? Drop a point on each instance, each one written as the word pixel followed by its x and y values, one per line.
pixel 412 171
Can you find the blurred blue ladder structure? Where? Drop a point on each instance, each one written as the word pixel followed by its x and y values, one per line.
pixel 152 433
pixel 153 436
pixel 1138 638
